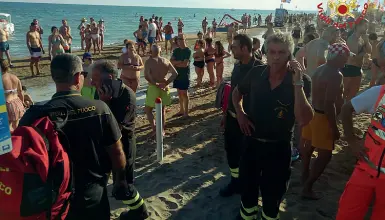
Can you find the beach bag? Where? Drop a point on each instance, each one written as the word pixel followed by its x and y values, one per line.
pixel 35 177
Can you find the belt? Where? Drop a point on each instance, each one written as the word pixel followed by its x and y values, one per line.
pixel 265 140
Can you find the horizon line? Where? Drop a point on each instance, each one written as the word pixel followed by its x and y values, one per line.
pixel 54 3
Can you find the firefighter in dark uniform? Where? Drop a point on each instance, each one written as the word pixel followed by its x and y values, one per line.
pixel 242 50
pixel 123 107
pixel 276 98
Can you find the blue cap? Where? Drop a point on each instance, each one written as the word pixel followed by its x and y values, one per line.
pixel 87 56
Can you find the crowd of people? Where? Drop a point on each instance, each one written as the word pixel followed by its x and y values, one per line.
pixel 304 87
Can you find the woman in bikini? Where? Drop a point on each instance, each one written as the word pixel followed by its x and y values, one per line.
pixel 210 60
pixel 13 93
pixel 87 35
pixel 199 61
pixel 220 55
pixel 131 64
pixel 56 43
pixel 95 37
pixel 102 29
pixel 180 26
pixel 68 40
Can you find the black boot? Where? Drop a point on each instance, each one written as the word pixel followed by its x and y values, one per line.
pixel 138 214
pixel 231 188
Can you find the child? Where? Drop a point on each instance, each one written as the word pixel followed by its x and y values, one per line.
pixel 27 98
pixel 88 90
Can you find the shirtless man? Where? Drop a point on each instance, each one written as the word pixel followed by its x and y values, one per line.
pixel 315 51
pixel 138 34
pixel 230 36
pixel 62 29
pixel 359 44
pixel 204 26
pixel 131 64
pixel 168 32
pixel 155 70
pixel 35 47
pixel 144 24
pixel 322 132
pixel 4 46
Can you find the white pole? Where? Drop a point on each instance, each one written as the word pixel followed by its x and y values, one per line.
pixel 159 129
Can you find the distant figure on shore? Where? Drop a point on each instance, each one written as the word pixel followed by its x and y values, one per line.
pixel 35 47
pixel 230 35
pixel 95 36
pixel 13 95
pixel 296 33
pixel 180 59
pixel 131 64
pixel 155 72
pixel 4 45
pixel 68 41
pixel 168 32
pixel 138 34
pixel 62 29
pixel 88 38
pixel 88 89
pixel 270 31
pixel 82 29
pixel 210 60
pixel 102 29
pixel 180 26
pixel 56 43
pixel 152 29
pixel 214 28
pixel 220 55
pixel 204 26
pixel 199 61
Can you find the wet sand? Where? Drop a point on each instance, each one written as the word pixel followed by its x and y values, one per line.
pixel 186 184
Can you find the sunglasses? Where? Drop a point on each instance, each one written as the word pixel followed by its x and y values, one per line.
pixel 85 74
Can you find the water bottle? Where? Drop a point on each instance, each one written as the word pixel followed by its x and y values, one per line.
pixel 5 133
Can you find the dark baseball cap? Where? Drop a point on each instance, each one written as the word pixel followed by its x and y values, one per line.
pixel 64 67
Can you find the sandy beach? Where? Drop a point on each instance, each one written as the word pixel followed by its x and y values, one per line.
pixel 186 184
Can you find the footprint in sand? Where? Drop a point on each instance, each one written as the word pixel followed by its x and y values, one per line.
pixel 170 205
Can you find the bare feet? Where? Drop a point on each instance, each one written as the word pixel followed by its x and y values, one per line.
pixel 311 195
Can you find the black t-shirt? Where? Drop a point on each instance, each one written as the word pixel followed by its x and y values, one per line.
pixel 239 72
pixel 271 111
pixel 124 110
pixel 91 128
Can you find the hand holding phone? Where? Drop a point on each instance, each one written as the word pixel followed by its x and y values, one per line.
pixel 112 87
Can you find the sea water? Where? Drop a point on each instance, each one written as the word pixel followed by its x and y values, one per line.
pixel 120 21
pixel 5 133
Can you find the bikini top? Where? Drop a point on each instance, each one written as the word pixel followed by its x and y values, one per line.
pixel 129 63
pixel 10 91
pixel 56 40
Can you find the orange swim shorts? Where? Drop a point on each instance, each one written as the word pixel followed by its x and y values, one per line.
pixel 318 132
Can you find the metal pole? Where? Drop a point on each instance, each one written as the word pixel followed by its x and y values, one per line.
pixel 159 129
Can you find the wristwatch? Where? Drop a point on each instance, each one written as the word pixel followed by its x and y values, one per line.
pixel 298 83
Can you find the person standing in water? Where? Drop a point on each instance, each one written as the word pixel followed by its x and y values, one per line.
pixel 199 61
pixel 35 47
pixel 220 55
pixel 131 64
pixel 358 42
pixel 204 26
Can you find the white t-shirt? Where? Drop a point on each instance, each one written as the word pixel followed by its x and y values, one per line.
pixel 152 28
pixel 366 101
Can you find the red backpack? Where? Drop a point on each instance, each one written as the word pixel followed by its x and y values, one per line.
pixel 35 177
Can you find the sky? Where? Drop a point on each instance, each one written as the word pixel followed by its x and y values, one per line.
pixel 227 4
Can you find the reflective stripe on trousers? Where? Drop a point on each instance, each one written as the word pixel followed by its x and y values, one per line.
pixel 135 202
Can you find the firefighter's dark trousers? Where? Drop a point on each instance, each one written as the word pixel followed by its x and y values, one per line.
pixel 233 144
